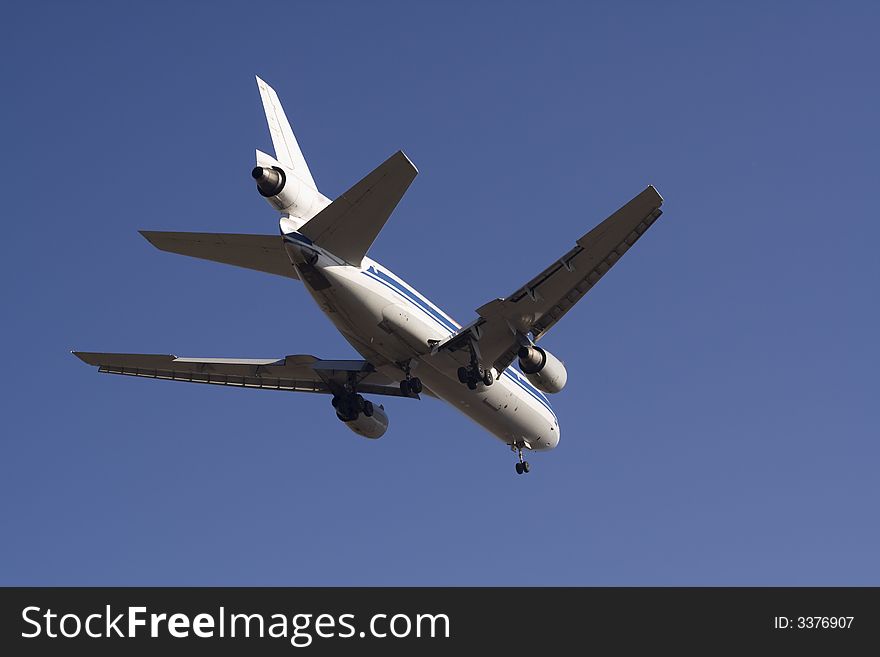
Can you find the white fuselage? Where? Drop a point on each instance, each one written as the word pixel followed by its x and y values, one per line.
pixel 390 324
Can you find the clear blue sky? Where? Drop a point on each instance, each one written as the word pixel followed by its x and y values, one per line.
pixel 720 423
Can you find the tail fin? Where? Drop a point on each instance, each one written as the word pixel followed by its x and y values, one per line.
pixel 286 147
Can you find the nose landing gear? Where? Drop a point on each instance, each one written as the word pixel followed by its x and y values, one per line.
pixel 522 467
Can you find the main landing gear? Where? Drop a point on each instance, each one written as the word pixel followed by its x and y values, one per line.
pixel 474 373
pixel 522 467
pixel 349 406
pixel 411 385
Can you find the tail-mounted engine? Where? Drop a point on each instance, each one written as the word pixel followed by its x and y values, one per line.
pixel 285 191
pixel 542 369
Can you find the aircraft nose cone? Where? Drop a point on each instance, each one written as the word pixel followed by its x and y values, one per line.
pixel 554 435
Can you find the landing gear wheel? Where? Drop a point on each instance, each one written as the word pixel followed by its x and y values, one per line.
pixel 488 378
pixel 472 385
pixel 346 415
pixel 415 384
pixel 368 410
pixel 522 466
pixel 346 408
pixel 462 375
pixel 404 388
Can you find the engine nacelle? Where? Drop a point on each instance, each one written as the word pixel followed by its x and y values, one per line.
pixel 542 369
pixel 286 192
pixel 361 416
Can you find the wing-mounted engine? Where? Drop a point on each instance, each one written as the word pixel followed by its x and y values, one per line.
pixel 285 191
pixel 361 415
pixel 542 369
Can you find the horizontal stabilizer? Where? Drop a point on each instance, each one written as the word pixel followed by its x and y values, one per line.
pixel 260 252
pixel 350 224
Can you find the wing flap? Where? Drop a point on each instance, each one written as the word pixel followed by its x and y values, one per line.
pixel 259 252
pixel 537 306
pixel 552 293
pixel 350 224
pixel 300 373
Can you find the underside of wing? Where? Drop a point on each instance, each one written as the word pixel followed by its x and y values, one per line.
pixel 503 324
pixel 542 302
pixel 300 373
pixel 260 252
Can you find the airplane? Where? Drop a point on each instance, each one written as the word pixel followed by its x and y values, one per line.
pixel 410 347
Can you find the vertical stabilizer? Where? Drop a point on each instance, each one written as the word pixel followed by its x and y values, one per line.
pixel 286 147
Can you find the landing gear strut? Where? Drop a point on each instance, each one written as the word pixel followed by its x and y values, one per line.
pixel 411 384
pixel 348 406
pixel 474 373
pixel 522 467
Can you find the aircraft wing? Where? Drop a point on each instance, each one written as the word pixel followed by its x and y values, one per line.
pixel 292 373
pixel 537 306
pixel 261 252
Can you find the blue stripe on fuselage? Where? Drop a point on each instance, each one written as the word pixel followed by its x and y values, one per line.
pixel 298 237
pixel 389 282
pixel 523 383
pixel 381 277
pixel 512 374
